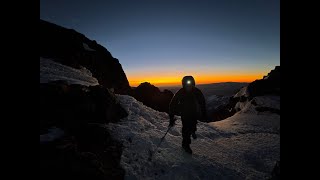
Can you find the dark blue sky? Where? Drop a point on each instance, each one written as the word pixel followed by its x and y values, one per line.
pixel 211 37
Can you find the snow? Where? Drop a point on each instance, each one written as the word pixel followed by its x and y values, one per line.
pixel 261 101
pixel 249 123
pixel 52 71
pixel 86 47
pixel 244 146
pixel 243 92
pixel 53 134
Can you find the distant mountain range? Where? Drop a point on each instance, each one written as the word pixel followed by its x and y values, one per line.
pixel 221 89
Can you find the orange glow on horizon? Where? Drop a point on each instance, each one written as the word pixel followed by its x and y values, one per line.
pixel 200 79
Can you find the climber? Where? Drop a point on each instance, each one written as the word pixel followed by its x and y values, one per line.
pixel 189 103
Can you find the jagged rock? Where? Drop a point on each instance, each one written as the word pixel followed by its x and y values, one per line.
pixel 73 49
pixel 270 84
pixel 65 105
pixel 86 150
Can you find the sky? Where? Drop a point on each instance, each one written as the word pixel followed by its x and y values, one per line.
pixel 160 41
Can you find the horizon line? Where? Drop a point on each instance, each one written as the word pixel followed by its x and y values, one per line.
pixel 177 85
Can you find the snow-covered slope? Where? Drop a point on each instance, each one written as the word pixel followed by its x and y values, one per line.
pixel 244 146
pixel 249 106
pixel 249 120
pixel 52 71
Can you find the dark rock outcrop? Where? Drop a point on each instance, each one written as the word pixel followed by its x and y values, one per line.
pixel 275 175
pixel 269 109
pixel 270 84
pixel 85 150
pixel 93 155
pixel 73 49
pixel 151 96
pixel 71 105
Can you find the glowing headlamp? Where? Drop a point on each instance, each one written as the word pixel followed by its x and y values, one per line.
pixel 188 81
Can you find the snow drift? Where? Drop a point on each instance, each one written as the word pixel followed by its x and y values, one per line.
pixel 53 71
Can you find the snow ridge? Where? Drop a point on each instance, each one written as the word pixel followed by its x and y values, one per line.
pixel 86 47
pixel 53 71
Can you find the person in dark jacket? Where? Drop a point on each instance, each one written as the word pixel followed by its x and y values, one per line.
pixel 189 103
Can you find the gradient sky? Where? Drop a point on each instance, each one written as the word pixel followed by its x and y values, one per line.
pixel 160 41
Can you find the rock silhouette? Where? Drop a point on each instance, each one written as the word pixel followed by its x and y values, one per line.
pixel 84 148
pixel 73 49
pixel 151 96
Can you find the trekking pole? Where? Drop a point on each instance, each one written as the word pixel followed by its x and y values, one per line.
pixel 164 136
pixel 150 153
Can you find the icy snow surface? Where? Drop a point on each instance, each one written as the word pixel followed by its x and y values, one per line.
pixel 261 101
pixel 52 71
pixel 86 47
pixel 244 146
